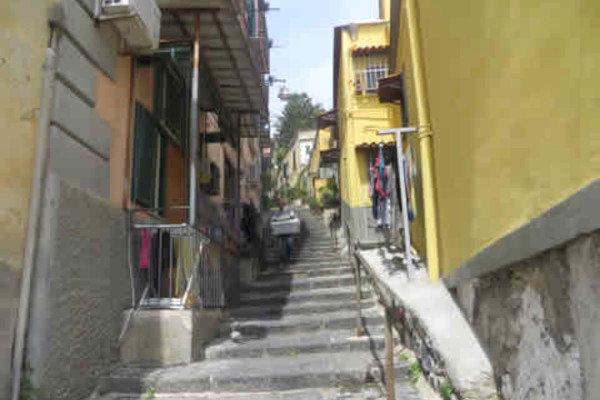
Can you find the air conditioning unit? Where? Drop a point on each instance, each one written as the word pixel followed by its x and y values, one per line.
pixel 138 21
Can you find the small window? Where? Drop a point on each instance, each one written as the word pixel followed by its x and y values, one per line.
pixel 368 69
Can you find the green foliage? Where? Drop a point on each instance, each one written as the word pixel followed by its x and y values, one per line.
pixel 297 192
pixel 28 391
pixel 403 357
pixel 267 202
pixel 151 393
pixel 279 153
pixel 313 203
pixel 446 390
pixel 414 372
pixel 299 113
pixel 329 198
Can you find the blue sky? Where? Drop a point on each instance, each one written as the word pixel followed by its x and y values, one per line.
pixel 303 34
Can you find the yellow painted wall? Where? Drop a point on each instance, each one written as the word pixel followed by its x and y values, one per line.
pixel 319 183
pixel 404 64
pixel 384 9
pixel 514 92
pixel 321 144
pixel 24 34
pixel 360 116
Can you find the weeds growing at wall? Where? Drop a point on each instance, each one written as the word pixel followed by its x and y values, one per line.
pixel 446 390
pixel 414 372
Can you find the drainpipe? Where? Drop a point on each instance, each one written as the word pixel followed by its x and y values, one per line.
pixel 194 122
pixel 35 207
pixel 425 144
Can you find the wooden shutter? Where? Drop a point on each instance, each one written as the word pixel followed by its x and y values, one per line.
pixel 144 157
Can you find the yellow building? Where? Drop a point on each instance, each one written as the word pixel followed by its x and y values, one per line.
pixel 293 167
pixel 361 53
pixel 505 173
pixel 319 172
pixel 523 124
pixel 23 30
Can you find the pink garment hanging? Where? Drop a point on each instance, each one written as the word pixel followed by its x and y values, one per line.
pixel 381 175
pixel 145 250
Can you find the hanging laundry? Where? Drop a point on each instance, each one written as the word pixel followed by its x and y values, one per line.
pixel 382 175
pixel 384 212
pixel 373 195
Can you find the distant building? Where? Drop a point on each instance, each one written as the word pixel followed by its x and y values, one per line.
pixel 296 159
pixel 361 58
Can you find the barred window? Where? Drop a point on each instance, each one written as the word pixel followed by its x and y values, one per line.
pixel 369 67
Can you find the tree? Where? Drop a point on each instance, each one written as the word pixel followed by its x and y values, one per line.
pixel 299 113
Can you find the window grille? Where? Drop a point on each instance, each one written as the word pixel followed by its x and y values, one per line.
pixel 368 69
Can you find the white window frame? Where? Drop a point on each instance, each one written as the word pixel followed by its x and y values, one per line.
pixel 368 69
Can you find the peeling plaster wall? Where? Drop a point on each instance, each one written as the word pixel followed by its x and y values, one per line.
pixel 23 34
pixel 538 319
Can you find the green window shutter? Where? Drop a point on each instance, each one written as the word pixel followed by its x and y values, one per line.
pixel 163 174
pixel 144 157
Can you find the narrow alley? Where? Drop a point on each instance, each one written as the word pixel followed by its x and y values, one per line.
pixel 293 338
pixel 299 199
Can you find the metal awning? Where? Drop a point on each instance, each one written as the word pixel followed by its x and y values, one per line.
pixel 391 88
pixel 226 50
pixel 331 156
pixel 327 119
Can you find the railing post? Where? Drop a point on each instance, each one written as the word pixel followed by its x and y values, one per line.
pixel 390 378
pixel 358 295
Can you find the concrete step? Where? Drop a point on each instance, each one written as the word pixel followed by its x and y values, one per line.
pixel 316 295
pixel 282 283
pixel 308 265
pixel 371 391
pixel 285 345
pixel 307 246
pixel 294 324
pixel 314 253
pixel 249 374
pixel 301 272
pixel 307 260
pixel 270 311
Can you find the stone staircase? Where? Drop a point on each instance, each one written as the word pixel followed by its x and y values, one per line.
pixel 292 338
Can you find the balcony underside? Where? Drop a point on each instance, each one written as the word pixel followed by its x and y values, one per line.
pixel 226 50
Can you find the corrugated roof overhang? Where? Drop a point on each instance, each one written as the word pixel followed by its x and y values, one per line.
pixel 331 156
pixel 327 119
pixel 225 49
pixel 391 88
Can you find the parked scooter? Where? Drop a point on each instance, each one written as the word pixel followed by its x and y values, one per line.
pixel 285 226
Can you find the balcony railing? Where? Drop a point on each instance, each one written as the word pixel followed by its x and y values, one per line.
pixel 173 265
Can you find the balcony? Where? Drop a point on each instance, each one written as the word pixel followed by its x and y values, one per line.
pixel 228 50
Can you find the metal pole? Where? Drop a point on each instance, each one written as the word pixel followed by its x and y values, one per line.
pixel 390 378
pixel 358 291
pixel 35 210
pixel 194 123
pixel 403 192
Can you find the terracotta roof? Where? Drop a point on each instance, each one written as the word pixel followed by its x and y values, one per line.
pixel 370 50
pixel 375 145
